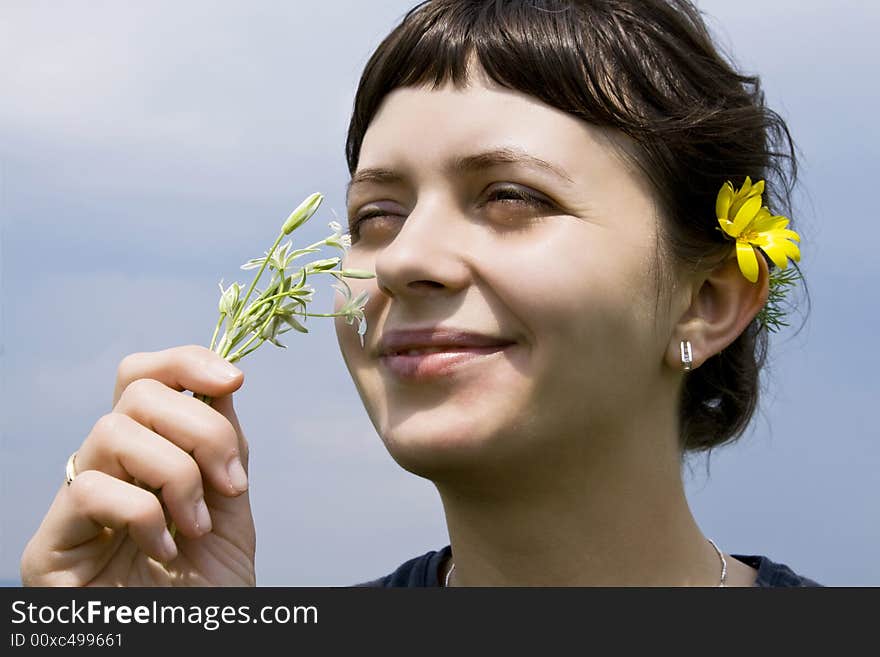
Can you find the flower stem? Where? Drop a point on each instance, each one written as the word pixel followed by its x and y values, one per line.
pixel 217 330
pixel 280 296
pixel 238 354
pixel 254 348
pixel 257 277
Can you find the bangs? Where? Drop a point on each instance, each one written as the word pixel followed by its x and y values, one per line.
pixel 529 46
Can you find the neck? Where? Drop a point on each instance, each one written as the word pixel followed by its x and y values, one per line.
pixel 610 511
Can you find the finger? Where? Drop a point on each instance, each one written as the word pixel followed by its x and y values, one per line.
pixel 193 426
pixel 123 448
pixel 190 367
pixel 225 406
pixel 95 500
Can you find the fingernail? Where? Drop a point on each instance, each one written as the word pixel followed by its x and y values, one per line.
pixel 224 370
pixel 237 475
pixel 169 547
pixel 203 518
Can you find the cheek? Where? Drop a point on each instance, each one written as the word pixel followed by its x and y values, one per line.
pixel 362 368
pixel 588 309
pixel 569 282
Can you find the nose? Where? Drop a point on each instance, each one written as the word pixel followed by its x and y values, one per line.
pixel 427 255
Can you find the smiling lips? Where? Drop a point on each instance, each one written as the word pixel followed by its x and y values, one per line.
pixel 420 354
pixel 434 339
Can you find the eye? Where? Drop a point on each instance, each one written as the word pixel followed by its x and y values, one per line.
pixel 507 196
pixel 514 208
pixel 517 197
pixel 354 228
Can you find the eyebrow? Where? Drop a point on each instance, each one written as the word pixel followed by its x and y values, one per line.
pixel 464 164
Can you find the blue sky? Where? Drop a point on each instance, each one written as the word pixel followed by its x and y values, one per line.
pixel 146 150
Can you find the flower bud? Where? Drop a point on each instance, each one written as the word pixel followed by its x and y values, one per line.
pixel 229 298
pixel 357 273
pixel 305 210
pixel 323 265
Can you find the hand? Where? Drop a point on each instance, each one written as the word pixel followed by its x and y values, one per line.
pixel 109 527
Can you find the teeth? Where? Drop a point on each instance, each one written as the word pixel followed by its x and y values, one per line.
pixel 426 350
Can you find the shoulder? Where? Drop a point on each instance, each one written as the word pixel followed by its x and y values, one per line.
pixel 772 573
pixel 419 571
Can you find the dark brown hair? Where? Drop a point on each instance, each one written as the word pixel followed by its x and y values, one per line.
pixel 649 69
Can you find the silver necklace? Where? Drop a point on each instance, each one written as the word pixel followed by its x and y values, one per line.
pixel 722 583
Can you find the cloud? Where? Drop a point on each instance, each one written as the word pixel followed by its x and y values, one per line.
pixel 177 96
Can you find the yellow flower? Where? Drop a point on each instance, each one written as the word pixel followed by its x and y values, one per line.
pixel 743 218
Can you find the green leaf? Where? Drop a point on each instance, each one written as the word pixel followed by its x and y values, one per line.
pixel 253 263
pixel 772 316
pixel 292 321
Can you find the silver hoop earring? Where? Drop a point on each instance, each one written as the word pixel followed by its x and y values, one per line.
pixel 687 358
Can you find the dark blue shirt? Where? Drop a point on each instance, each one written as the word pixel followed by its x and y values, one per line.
pixel 425 571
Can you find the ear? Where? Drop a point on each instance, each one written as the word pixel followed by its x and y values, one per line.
pixel 721 308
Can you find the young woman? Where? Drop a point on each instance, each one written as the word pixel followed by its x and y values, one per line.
pixel 568 300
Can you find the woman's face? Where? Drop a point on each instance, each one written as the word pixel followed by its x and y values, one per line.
pixel 567 278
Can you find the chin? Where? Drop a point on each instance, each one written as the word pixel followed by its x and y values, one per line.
pixel 429 443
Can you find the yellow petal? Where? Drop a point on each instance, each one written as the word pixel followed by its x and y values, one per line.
pixel 768 241
pixel 761 217
pixel 777 254
pixel 726 226
pixel 791 249
pixel 745 215
pixel 782 234
pixel 748 261
pixel 722 203
pixel 745 193
pixel 790 234
pixel 766 221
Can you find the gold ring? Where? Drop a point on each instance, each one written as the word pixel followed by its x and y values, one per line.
pixel 70 469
